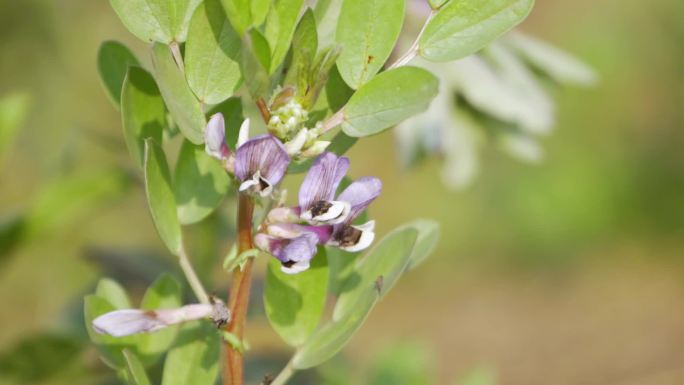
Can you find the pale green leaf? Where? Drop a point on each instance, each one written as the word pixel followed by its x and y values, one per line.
pixel 113 60
pixel 428 236
pixel 255 59
pixel 239 13
pixel 136 370
pixel 212 52
pixel 463 27
pixel 195 358
pixel 143 114
pixel 180 101
pixel 367 31
pixel 109 347
pixel 164 293
pixel 160 197
pixel 436 4
pixel 280 26
pixel 163 21
pixel 388 99
pixel 14 109
pixel 294 302
pixel 382 265
pixel 113 292
pixel 200 183
pixel 304 48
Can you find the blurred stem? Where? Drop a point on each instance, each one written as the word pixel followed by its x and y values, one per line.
pixel 263 109
pixel 413 51
pixel 284 375
pixel 191 276
pixel 233 370
pixel 175 51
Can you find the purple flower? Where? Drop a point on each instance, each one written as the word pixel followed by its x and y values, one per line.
pixel 317 193
pixel 358 195
pixel 293 245
pixel 215 138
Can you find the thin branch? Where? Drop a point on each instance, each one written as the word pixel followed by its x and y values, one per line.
pixel 263 109
pixel 284 375
pixel 413 51
pixel 175 51
pixel 333 121
pixel 192 278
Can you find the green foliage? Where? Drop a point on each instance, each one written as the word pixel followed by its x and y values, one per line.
pixel 163 21
pixel 463 27
pixel 160 197
pixel 255 60
pixel 212 54
pixel 367 31
pixel 388 99
pixel 294 303
pixel 113 60
pixel 428 236
pixel 40 357
pixel 280 26
pixel 194 360
pixel 180 101
pixel 113 292
pixel 200 183
pixel 143 113
pixel 405 363
pixel 164 293
pixel 14 110
pixel 135 369
pixel 239 13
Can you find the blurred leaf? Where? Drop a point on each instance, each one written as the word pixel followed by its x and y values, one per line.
pixel 381 266
pixel 367 31
pixel 181 102
pixel 14 110
pixel 143 114
pixel 402 364
pixel 109 347
pixel 479 376
pixel 239 13
pixel 135 368
pixel 388 99
pixel 280 26
pixel 337 91
pixel 162 21
pixel 39 357
pixel 12 233
pixel 463 27
pixel 194 360
pixel 259 10
pixel 254 62
pixel 113 60
pixel 327 13
pixel 428 236
pixel 212 54
pixel 304 48
pixel 200 183
pixel 332 337
pixel 160 198
pixel 294 302
pixel 341 265
pixel 231 109
pixel 559 65
pixel 436 4
pixel 113 292
pixel 164 293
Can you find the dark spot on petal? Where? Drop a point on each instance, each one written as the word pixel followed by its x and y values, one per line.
pixel 288 264
pixel 150 314
pixel 263 184
pixel 349 236
pixel 320 208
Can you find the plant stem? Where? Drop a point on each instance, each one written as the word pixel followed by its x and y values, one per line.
pixel 175 51
pixel 233 369
pixel 333 121
pixel 191 277
pixel 263 109
pixel 284 375
pixel 413 51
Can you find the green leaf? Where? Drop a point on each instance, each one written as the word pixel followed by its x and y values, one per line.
pixel 367 31
pixel 160 197
pixel 341 266
pixel 41 358
pixel 231 109
pixel 212 54
pixel 463 27
pixel 239 13
pixel 109 347
pixel 383 265
pixel 436 4
pixel 113 60
pixel 136 370
pixel 428 236
pixel 143 114
pixel 162 21
pixel 280 26
pixel 195 358
pixel 327 14
pixel 331 338
pixel 304 48
pixel 164 293
pixel 113 292
pixel 254 62
pixel 200 183
pixel 14 109
pixel 182 104
pixel 295 302
pixel 337 91
pixel 388 99
pixel 404 363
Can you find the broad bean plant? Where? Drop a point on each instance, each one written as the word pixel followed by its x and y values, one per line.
pixel 257 91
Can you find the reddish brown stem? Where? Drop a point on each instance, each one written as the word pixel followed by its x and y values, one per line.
pixel 238 301
pixel 263 109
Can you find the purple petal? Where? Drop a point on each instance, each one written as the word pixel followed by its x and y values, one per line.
pixel 120 323
pixel 360 194
pixel 265 154
pixel 322 180
pixel 215 137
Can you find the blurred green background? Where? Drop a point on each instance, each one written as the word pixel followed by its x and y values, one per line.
pixel 567 272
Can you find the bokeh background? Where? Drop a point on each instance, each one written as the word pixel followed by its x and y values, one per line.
pixel 566 272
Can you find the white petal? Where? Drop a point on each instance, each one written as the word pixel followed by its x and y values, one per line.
pixel 337 213
pixel 366 239
pixel 296 268
pixel 248 183
pixel 295 145
pixel 120 323
pixel 243 134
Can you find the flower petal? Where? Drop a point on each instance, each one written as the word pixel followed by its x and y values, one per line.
pixel 354 238
pixel 264 154
pixel 215 137
pixel 322 180
pixel 120 323
pixel 360 194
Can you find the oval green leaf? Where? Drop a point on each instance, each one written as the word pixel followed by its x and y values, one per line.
pixel 382 266
pixel 135 368
pixel 280 26
pixel 194 359
pixel 184 108
pixel 164 293
pixel 428 236
pixel 143 114
pixel 113 292
pixel 113 60
pixel 200 183
pixel 163 21
pixel 160 197
pixel 110 348
pixel 388 99
pixel 212 53
pixel 463 27
pixel 294 303
pixel 367 31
